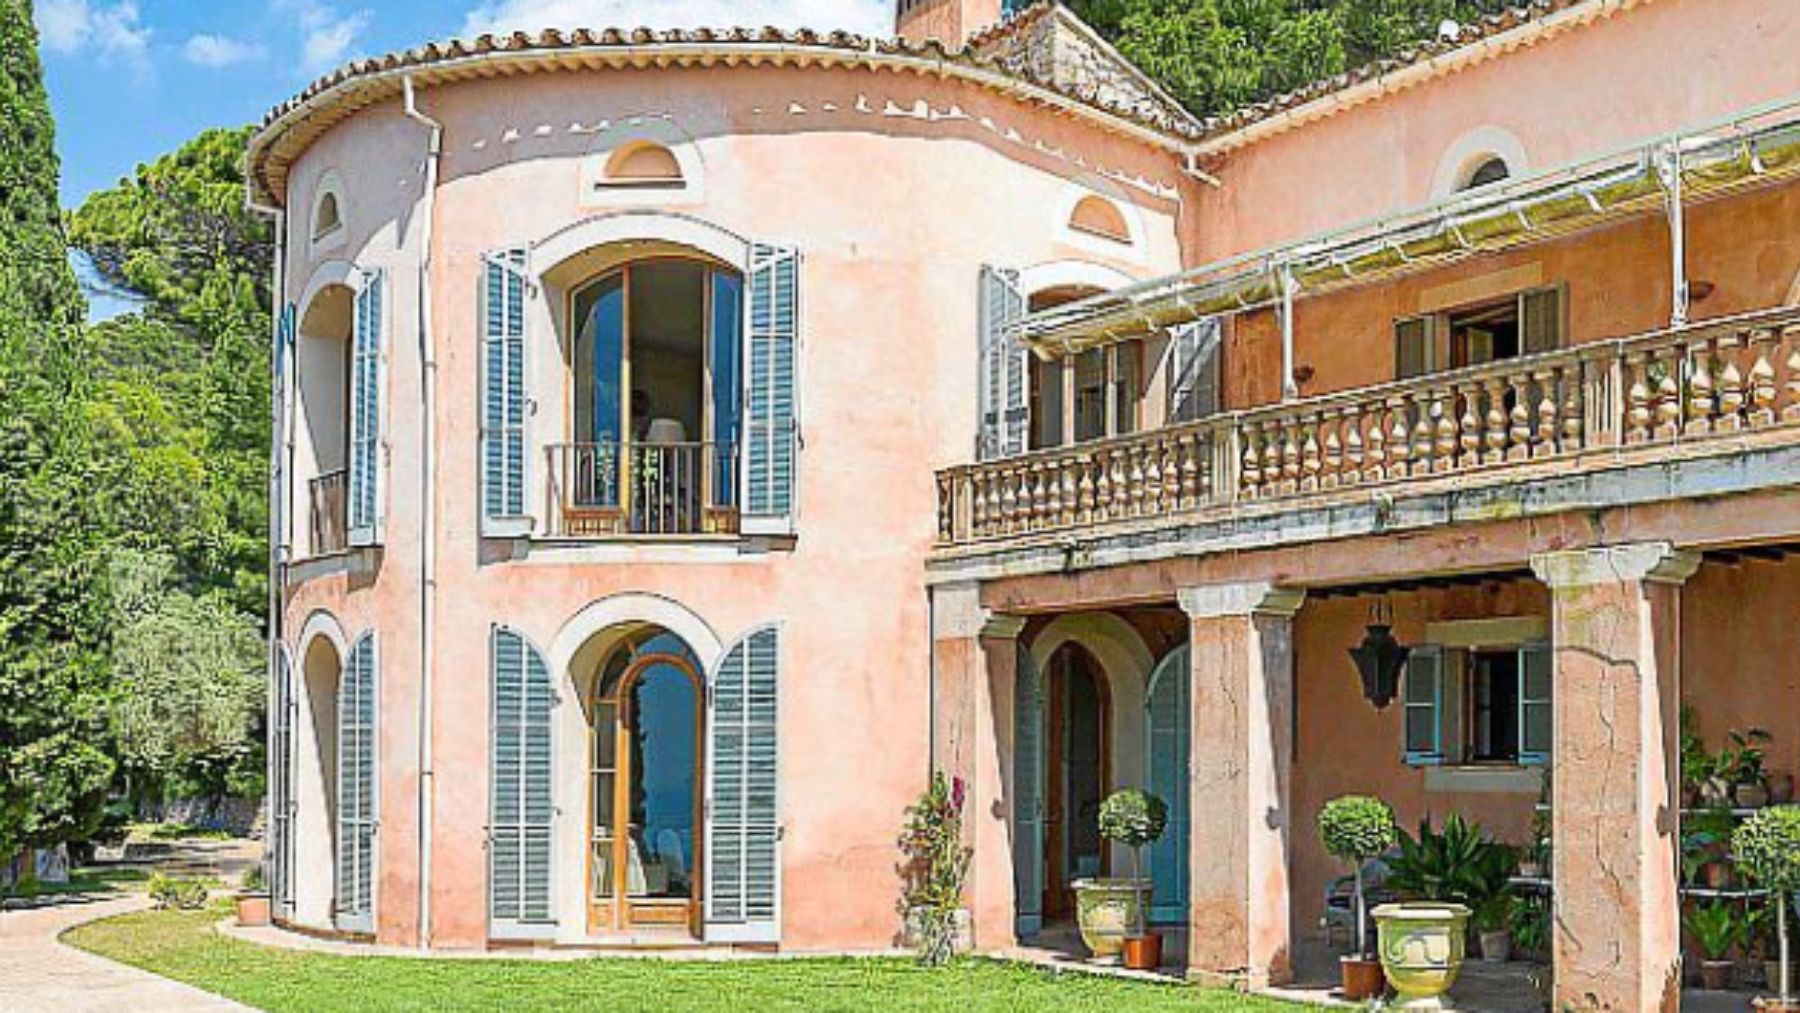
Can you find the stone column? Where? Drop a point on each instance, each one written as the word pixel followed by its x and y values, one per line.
pixel 1616 616
pixel 1241 747
pixel 975 662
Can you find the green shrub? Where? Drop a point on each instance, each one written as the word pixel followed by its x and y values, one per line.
pixel 1767 846
pixel 1460 864
pixel 174 892
pixel 1716 928
pixel 1356 828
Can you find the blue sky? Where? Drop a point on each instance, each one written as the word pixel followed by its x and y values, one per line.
pixel 132 79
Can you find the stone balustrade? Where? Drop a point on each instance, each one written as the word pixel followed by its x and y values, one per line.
pixel 1586 406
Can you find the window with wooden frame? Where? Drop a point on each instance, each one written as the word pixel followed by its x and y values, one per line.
pixel 1529 322
pixel 1478 706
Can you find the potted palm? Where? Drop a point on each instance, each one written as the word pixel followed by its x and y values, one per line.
pixel 1135 819
pixel 1768 847
pixel 1716 929
pixel 1355 829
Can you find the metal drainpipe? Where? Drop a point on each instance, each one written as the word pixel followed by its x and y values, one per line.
pixel 277 469
pixel 427 507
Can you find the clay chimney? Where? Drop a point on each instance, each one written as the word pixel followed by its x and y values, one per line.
pixel 951 22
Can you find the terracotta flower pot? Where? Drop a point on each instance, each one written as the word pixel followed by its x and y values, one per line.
pixel 1143 953
pixel 1715 975
pixel 1362 978
pixel 1496 947
pixel 1716 875
pixel 253 910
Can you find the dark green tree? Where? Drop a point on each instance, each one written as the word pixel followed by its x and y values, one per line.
pixel 1217 56
pixel 54 770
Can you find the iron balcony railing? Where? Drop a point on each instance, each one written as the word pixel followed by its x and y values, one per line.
pixel 610 489
pixel 328 512
pixel 1719 381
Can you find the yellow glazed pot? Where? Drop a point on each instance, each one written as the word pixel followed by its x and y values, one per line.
pixel 1107 911
pixel 1421 950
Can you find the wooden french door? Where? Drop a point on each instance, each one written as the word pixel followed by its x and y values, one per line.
pixel 1079 724
pixel 636 880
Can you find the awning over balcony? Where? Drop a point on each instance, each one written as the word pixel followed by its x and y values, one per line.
pixel 1755 148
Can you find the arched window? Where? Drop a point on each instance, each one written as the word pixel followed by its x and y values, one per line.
pixel 327 218
pixel 1488 170
pixel 1098 216
pixel 644 163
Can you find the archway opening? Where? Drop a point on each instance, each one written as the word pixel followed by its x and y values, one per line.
pixel 644 699
pixel 316 786
pixel 322 430
pixel 1079 719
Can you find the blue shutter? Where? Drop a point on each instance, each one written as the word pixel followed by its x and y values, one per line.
pixel 520 789
pixel 365 412
pixel 1169 722
pixel 1004 365
pixel 1029 789
pixel 503 395
pixel 357 802
pixel 743 832
pixel 1423 709
pixel 281 786
pixel 770 408
pixel 1536 740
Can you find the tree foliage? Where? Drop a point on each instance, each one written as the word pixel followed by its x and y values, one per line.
pixel 1216 56
pixel 53 767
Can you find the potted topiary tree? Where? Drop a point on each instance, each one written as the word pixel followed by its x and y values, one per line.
pixel 1768 847
pixel 1110 911
pixel 1136 819
pixel 1356 828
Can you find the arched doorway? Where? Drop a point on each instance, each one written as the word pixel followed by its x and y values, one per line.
pixel 322 436
pixel 1078 748
pixel 646 718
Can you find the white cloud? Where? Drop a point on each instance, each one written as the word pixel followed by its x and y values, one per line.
pixel 108 32
pixel 219 51
pixel 867 17
pixel 327 37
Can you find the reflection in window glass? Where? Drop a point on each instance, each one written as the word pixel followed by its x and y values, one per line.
pixel 1125 388
pixel 1090 395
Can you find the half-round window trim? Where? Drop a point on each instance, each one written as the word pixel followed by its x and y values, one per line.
pixel 1095 215
pixel 329 192
pixel 622 158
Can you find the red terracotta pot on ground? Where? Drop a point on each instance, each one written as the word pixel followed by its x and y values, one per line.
pixel 253 910
pixel 1144 953
pixel 1363 978
pixel 1772 1005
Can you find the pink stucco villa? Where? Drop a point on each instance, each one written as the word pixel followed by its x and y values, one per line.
pixel 688 441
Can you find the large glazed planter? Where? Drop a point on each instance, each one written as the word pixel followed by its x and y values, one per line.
pixel 1107 911
pixel 1421 950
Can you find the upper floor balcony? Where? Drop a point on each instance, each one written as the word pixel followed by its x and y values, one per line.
pixel 1697 390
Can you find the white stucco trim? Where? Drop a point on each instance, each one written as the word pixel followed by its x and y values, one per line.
pixel 570 241
pixel 635 608
pixel 1060 273
pixel 321 624
pixel 1467 153
pixel 332 272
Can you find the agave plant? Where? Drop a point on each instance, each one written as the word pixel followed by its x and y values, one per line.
pixel 1460 864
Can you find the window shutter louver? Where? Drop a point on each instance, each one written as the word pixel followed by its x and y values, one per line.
pixel 1029 786
pixel 743 886
pixel 281 786
pixel 365 412
pixel 1194 370
pixel 1536 741
pixel 770 400
pixel 1540 321
pixel 1414 351
pixel 1168 722
pixel 1004 367
pixel 520 786
pixel 504 409
pixel 357 801
pixel 1424 706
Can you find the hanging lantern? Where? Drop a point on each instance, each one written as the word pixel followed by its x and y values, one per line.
pixel 1379 658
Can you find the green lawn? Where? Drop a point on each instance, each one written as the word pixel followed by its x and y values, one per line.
pixel 184 946
pixel 106 879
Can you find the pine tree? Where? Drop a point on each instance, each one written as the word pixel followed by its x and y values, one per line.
pixel 53 721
